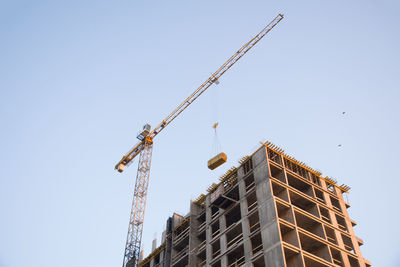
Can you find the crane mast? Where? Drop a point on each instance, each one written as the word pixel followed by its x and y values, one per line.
pixel 145 147
pixel 135 229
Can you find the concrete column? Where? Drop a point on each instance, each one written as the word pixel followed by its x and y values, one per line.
pixel 208 230
pixel 168 249
pixel 195 210
pixel 273 254
pixel 162 263
pixel 245 221
pixel 222 240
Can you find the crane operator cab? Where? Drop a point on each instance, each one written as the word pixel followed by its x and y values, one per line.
pixel 145 131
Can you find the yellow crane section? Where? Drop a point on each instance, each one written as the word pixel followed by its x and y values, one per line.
pixel 128 157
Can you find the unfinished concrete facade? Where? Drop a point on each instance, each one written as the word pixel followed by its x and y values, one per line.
pixel 271 211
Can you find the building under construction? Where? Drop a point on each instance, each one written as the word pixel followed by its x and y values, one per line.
pixel 271 211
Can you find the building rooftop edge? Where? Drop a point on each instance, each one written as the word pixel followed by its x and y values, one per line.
pixel 344 188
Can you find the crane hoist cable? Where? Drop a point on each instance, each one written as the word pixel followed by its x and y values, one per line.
pixel 144 149
pixel 216 146
pixel 220 157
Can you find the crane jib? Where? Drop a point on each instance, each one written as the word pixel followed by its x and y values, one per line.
pixel 201 89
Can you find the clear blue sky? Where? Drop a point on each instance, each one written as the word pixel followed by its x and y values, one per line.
pixel 79 78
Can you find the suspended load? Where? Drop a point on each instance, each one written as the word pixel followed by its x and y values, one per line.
pixel 220 158
pixel 217 161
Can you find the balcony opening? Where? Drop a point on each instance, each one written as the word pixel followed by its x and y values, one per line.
pixel 233 193
pixel 202 216
pixel 280 191
pixel 247 166
pixel 325 214
pixel 331 188
pixel 309 224
pixel 284 212
pixel 300 185
pixel 319 195
pixel 251 202
pixel 294 167
pixel 236 257
pixel 288 234
pixel 304 204
pixel 337 257
pixel 234 236
pixel 315 179
pixel 216 264
pixel 275 157
pixel 201 229
pixel 214 212
pixel 182 228
pixel 228 199
pixel 233 216
pixel 335 204
pixel 181 235
pixel 202 235
pixel 231 198
pixel 216 249
pixel 201 238
pixel 181 242
pixel 202 257
pixel 330 235
pixel 180 258
pixel 277 173
pixel 341 223
pixel 314 247
pixel 353 262
pixel 348 245
pixel 256 244
pixel 254 222
pixel 215 229
pixel 292 258
pixel 259 262
pixel 249 183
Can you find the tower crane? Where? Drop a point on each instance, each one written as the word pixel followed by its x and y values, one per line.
pixel 144 149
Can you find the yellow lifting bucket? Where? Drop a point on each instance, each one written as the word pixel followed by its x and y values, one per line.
pixel 217 161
